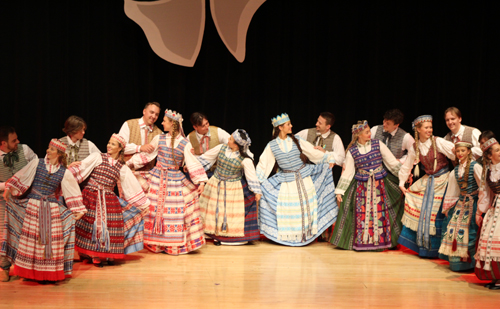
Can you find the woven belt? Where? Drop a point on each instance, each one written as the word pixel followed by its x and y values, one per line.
pixel 370 198
pixel 45 223
pixel 159 222
pixel 300 187
pixel 222 179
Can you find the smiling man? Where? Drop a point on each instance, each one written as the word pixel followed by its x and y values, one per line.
pixel 139 132
pixel 205 136
pixel 395 138
pixel 459 132
pixel 78 147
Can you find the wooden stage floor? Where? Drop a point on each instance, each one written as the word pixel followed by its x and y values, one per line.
pixel 260 275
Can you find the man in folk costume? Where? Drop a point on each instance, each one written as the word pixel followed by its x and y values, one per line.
pixel 396 139
pixel 79 147
pixel 14 157
pixel 459 132
pixel 139 132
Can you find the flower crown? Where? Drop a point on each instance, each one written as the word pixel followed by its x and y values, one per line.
pixel 360 126
pixel 280 119
pixel 420 119
pixel 173 115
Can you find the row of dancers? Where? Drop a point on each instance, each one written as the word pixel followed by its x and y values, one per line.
pixel 174 189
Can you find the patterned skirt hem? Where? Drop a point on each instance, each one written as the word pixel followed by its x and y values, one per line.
pixel 100 254
pixel 235 239
pixel 39 275
pixel 412 225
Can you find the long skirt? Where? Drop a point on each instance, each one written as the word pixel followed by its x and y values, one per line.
pixel 275 197
pixel 488 246
pixel 178 228
pixel 349 230
pixel 23 249
pixel 458 263
pixel 124 225
pixel 427 245
pixel 247 227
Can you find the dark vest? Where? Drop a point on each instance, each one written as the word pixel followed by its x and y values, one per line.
pixel 327 142
pixel 83 149
pixel 428 160
pixel 395 143
pixel 7 172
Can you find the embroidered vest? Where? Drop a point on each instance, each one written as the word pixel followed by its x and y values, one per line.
pixel 165 158
pixel 105 174
pixel 471 185
pixel 328 141
pixel 494 186
pixel 46 183
pixel 228 167
pixel 395 143
pixel 428 160
pixel 368 161
pixel 83 149
pixel 7 172
pixel 214 140
pixel 289 161
pixel 135 138
pixel 466 137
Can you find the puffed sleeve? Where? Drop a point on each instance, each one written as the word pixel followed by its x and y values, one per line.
pixel 251 176
pixel 478 173
pixel 82 171
pixel 29 154
pixel 484 200
pixel 223 136
pixel 132 190
pixel 72 194
pixel 390 161
pixel 338 152
pixel 406 168
pixel 209 157
pixel 196 171
pixel 142 158
pixel 266 164
pixel 22 180
pixel 347 174
pixel 445 147
pixel 93 148
pixel 408 142
pixel 316 156
pixel 452 193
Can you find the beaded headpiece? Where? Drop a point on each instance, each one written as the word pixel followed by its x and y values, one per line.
pixel 120 139
pixel 58 144
pixel 463 144
pixel 492 141
pixel 420 119
pixel 360 126
pixel 240 141
pixel 173 115
pixel 280 119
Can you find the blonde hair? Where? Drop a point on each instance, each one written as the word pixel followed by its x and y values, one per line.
pixel 417 150
pixel 469 160
pixel 62 158
pixel 174 132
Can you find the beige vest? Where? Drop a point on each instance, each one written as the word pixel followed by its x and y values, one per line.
pixel 135 138
pixel 83 151
pixel 327 142
pixel 214 140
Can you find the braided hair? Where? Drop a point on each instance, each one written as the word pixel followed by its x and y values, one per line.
pixel 417 150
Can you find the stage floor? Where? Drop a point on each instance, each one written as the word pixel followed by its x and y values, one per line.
pixel 260 275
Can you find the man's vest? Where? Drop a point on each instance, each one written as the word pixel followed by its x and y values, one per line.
pixel 324 142
pixel 466 137
pixel 394 143
pixel 82 151
pixel 7 172
pixel 135 138
pixel 214 140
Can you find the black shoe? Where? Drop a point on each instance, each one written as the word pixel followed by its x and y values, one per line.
pixel 494 287
pixel 111 262
pixel 216 242
pixel 97 262
pixel 489 285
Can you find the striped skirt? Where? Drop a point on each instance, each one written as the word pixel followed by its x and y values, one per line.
pixel 322 187
pixel 178 228
pixel 21 245
pixel 248 225
pixel 349 233
pixel 488 245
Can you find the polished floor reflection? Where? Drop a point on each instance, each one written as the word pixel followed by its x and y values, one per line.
pixel 260 275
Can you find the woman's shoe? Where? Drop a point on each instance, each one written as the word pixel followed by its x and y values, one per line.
pixel 97 262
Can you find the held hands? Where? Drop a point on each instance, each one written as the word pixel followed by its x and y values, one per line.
pixel 6 195
pixel 201 187
pixel 403 189
pixel 331 165
pixel 479 218
pixel 410 180
pixel 192 151
pixel 257 197
pixel 75 164
pixel 185 167
pixel 147 148
pixel 320 148
pixel 145 212
pixel 77 215
pixel 339 198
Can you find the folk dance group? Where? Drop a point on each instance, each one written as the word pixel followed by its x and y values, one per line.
pixel 166 191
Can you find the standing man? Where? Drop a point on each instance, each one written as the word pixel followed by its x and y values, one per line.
pixel 205 136
pixel 78 147
pixel 396 139
pixel 324 139
pixel 459 132
pixel 13 158
pixel 139 132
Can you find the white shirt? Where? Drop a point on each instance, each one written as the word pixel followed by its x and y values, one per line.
pixel 267 159
pixel 29 155
pixel 487 196
pixel 132 148
pixel 443 146
pixel 476 150
pixel 388 158
pixel 408 140
pixel 338 152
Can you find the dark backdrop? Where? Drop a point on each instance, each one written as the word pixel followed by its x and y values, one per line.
pixel 303 57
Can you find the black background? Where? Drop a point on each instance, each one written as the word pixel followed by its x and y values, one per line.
pixel 303 57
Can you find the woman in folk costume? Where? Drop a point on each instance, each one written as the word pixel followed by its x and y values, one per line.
pixel 111 228
pixel 458 244
pixel 371 202
pixel 423 218
pixel 488 246
pixel 173 225
pixel 298 202
pixel 39 230
pixel 229 201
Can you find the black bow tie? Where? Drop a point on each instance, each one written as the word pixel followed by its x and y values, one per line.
pixel 9 158
pixel 386 134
